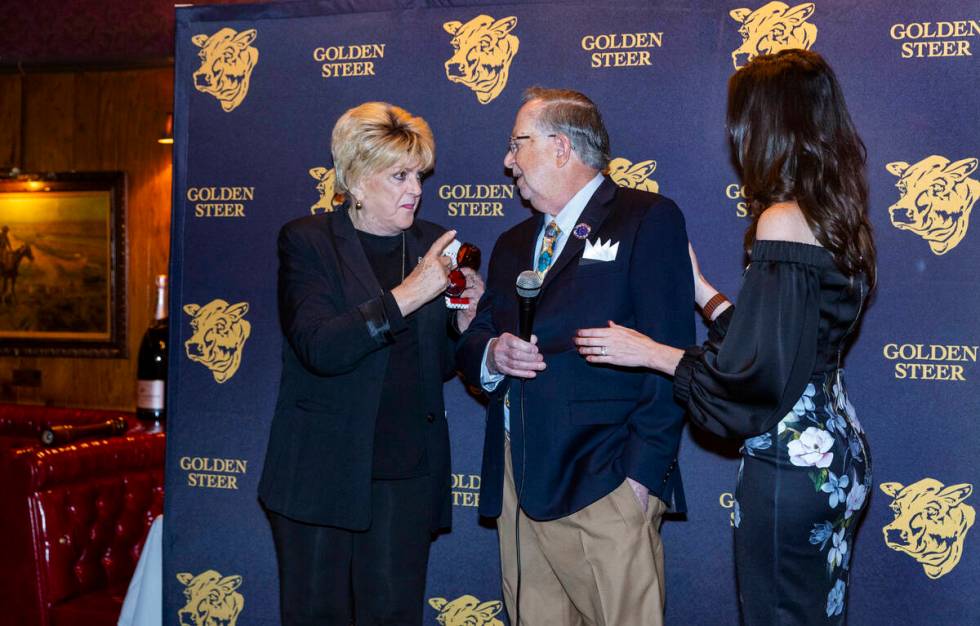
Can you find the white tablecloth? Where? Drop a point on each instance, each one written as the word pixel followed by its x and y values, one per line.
pixel 143 605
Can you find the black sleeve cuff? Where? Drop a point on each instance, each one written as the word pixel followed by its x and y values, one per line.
pixel 383 318
pixel 398 323
pixel 684 373
pixel 718 328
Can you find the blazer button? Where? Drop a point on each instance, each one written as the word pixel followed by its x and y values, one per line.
pixel 430 418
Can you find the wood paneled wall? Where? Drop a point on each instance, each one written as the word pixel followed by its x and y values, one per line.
pixel 95 121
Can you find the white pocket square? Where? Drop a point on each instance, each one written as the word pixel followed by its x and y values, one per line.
pixel 600 251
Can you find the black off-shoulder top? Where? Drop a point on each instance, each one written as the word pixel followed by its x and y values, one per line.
pixel 795 311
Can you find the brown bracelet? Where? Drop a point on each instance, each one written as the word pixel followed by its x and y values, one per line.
pixel 713 303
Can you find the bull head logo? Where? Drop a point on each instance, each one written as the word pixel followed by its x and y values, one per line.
pixel 211 600
pixel 325 187
pixel 483 50
pixel 771 28
pixel 227 61
pixel 467 611
pixel 936 199
pixel 930 523
pixel 635 175
pixel 220 331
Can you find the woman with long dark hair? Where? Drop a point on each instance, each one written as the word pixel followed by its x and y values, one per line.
pixel 770 373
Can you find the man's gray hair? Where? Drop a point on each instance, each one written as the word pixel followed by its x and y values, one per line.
pixel 572 114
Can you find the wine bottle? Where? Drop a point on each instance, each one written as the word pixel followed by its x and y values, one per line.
pixel 151 368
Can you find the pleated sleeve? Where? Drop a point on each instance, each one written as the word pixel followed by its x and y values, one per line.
pixel 760 355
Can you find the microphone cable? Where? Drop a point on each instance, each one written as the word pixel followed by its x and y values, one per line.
pixel 517 511
pixel 528 288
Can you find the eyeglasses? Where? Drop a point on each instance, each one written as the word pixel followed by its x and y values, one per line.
pixel 513 146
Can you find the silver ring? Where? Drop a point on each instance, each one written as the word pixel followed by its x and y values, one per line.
pixel 602 350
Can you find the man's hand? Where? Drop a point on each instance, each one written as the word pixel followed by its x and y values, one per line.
pixel 473 291
pixel 511 355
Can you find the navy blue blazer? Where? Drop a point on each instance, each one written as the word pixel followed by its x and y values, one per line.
pixel 338 326
pixel 586 428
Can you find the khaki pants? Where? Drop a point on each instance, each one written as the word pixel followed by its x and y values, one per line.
pixel 600 566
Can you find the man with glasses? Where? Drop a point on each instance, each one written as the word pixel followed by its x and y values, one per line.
pixel 580 461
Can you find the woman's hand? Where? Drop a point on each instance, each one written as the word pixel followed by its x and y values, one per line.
pixel 703 291
pixel 615 345
pixel 618 345
pixel 473 291
pixel 428 279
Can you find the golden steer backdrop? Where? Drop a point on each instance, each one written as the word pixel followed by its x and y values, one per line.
pixel 219 335
pixel 483 51
pixel 227 61
pixel 771 28
pixel 636 175
pixel 936 200
pixel 325 187
pixel 467 611
pixel 931 522
pixel 211 599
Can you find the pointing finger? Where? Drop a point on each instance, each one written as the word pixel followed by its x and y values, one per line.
pixel 441 243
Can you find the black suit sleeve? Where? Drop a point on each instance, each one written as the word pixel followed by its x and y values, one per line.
pixel 327 336
pixel 757 359
pixel 663 295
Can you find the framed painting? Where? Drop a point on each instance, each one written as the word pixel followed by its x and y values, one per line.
pixel 63 265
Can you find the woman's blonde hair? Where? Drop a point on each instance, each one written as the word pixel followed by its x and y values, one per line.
pixel 374 136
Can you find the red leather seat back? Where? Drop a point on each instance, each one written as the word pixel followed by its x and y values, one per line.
pixel 92 505
pixel 72 518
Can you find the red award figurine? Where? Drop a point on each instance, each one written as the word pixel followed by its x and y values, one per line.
pixel 468 255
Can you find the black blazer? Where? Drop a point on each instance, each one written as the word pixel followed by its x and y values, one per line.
pixel 338 324
pixel 588 427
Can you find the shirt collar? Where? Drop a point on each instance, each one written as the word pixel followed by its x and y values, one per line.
pixel 568 216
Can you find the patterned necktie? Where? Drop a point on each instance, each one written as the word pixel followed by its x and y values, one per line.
pixel 551 234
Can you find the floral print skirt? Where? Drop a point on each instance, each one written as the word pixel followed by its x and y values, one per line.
pixel 802 489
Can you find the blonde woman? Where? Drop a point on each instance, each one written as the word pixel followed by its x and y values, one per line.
pixel 357 473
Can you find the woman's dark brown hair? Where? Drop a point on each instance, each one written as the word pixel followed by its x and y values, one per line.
pixel 792 139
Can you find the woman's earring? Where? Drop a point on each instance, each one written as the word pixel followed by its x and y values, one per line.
pixel 358 205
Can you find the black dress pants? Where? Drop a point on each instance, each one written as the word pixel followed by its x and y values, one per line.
pixel 330 576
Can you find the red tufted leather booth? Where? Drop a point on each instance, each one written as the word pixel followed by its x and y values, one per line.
pixel 72 518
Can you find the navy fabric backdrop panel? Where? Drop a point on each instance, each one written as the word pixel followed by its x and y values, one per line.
pixel 254 107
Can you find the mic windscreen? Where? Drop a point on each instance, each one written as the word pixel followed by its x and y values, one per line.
pixel 528 284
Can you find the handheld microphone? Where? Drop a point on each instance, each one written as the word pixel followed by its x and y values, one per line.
pixel 528 288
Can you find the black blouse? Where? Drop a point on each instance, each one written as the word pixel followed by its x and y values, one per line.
pixel 399 431
pixel 795 310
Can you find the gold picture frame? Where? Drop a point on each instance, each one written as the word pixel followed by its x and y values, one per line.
pixel 63 265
